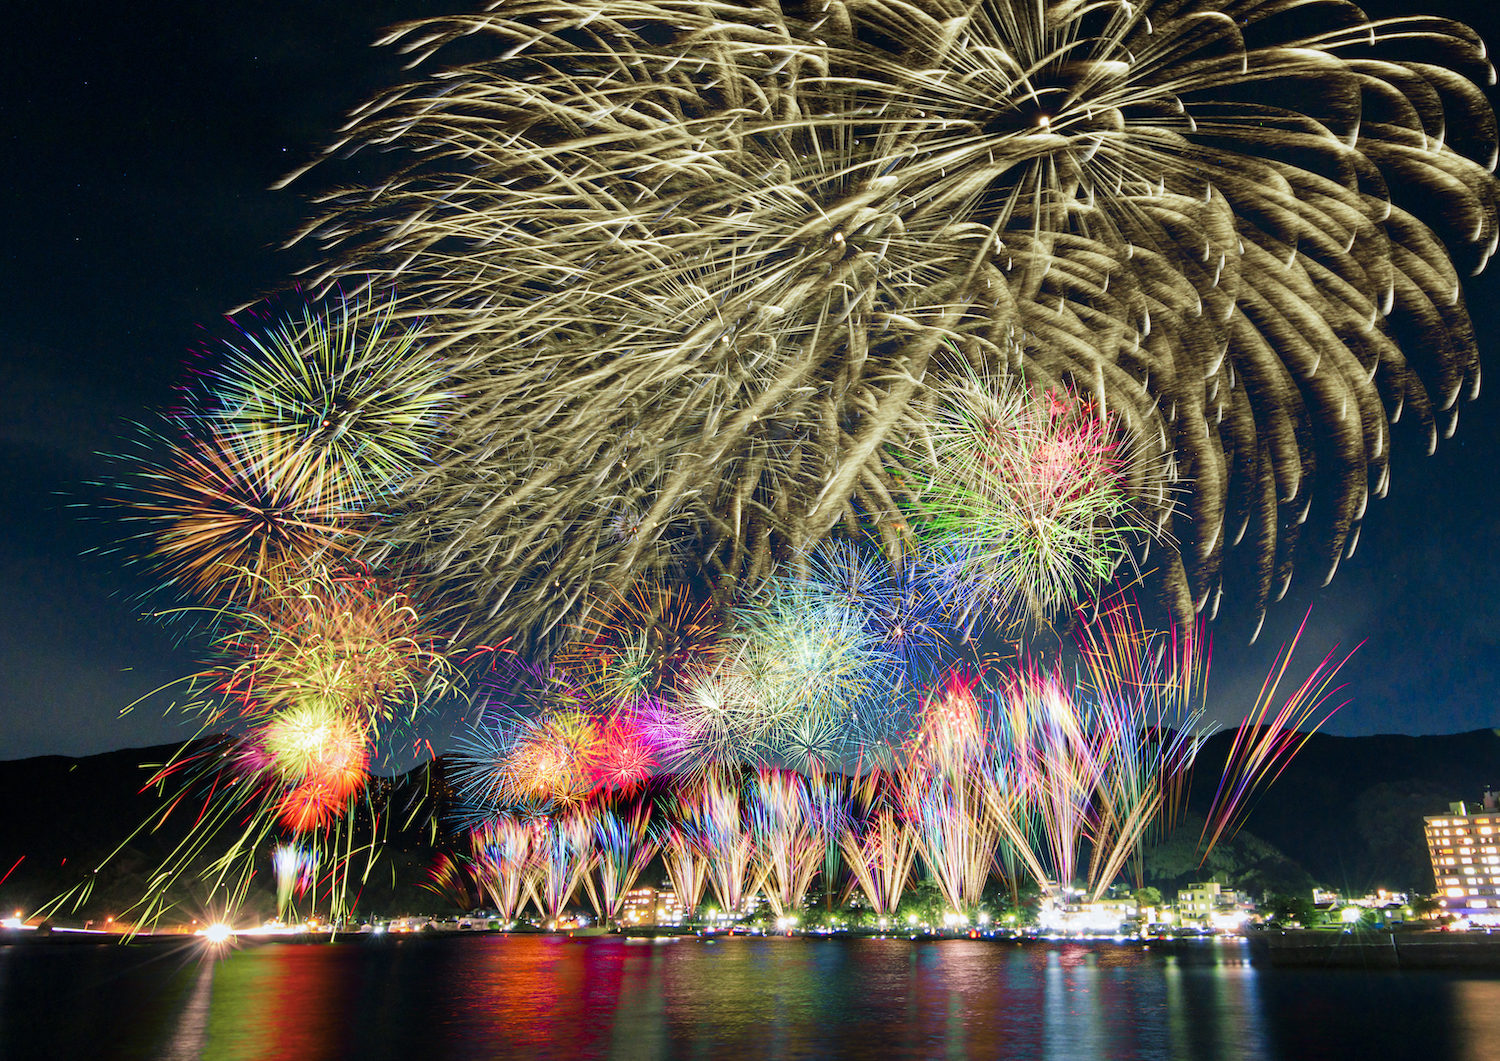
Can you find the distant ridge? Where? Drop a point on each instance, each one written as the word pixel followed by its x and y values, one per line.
pixel 63 817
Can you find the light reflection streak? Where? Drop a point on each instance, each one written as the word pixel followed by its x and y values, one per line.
pixel 550 996
pixel 191 1037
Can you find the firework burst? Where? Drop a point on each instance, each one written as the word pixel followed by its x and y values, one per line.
pixel 350 639
pixel 564 854
pixel 789 846
pixel 350 388
pixel 708 306
pixel 1022 492
pixel 296 869
pixel 645 643
pixel 623 846
pixel 504 862
pixel 879 847
pixel 230 518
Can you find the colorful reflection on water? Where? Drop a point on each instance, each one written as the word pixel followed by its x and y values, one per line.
pixel 551 997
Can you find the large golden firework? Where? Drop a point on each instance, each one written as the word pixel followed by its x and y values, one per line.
pixel 689 264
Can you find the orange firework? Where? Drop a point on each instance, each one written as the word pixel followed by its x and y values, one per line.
pixel 553 758
pixel 231 517
pixel 626 758
pixel 644 643
pixel 307 807
pixel 323 752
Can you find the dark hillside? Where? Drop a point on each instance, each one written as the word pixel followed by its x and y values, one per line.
pixel 61 819
pixel 1349 809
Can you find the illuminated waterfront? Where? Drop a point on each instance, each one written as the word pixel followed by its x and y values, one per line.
pixel 551 997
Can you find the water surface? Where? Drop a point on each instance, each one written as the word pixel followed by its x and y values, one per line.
pixel 551 997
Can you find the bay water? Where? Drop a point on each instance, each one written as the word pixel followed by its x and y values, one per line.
pixel 532 996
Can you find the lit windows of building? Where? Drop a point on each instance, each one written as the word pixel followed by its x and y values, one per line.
pixel 1465 868
pixel 1197 901
pixel 651 906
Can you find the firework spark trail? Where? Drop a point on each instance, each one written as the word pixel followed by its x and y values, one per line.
pixel 789 848
pixel 1128 797
pixel 942 794
pixel 728 846
pixel 879 847
pixel 505 861
pixel 564 852
pixel 1012 782
pixel 955 833
pixel 296 868
pixel 623 847
pixel 1066 749
pixel 450 878
pixel 1264 742
pixel 1152 686
pixel 829 813
pixel 685 859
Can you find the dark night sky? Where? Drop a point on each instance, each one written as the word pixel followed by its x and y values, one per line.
pixel 136 212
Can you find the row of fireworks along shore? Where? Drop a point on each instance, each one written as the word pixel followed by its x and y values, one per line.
pixel 888 736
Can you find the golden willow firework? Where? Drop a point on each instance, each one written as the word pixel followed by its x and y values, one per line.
pixel 690 265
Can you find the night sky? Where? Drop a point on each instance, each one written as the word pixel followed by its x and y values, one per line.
pixel 140 141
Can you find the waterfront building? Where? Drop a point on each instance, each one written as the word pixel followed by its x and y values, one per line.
pixel 1464 846
pixel 651 906
pixel 1210 905
pixel 1070 912
pixel 1197 901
